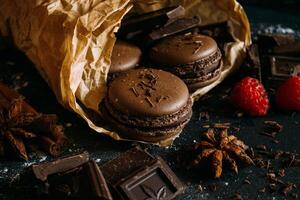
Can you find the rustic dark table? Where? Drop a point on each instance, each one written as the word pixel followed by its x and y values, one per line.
pixel 18 72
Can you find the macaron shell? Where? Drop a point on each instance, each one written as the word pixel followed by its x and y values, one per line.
pixel 147 92
pixel 183 49
pixel 125 56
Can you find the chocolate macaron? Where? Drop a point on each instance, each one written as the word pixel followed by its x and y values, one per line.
pixel 124 56
pixel 195 58
pixel 147 105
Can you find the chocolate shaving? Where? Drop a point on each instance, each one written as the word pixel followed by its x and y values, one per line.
pixel 149 101
pixel 135 92
pixel 287 188
pixel 274 125
pixel 222 125
pixel 237 196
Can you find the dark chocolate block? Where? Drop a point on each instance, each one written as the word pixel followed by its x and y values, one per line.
pixel 282 67
pixel 137 175
pixel 139 24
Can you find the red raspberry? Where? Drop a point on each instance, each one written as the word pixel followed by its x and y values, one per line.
pixel 250 95
pixel 288 94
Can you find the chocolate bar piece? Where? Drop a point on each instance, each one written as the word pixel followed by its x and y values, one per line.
pixel 269 41
pixel 138 175
pixel 136 25
pixel 283 67
pixel 252 63
pixel 43 170
pixel 93 180
pixel 177 26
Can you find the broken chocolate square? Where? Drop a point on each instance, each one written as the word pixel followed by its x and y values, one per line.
pixel 177 26
pixel 138 175
pixel 134 26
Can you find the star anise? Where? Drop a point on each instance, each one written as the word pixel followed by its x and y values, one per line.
pixel 19 126
pixel 217 149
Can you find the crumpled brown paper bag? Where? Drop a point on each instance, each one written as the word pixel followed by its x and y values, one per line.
pixel 70 42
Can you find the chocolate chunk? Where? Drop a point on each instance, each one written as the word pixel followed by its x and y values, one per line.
pixel 94 181
pixel 177 26
pixel 139 24
pixel 283 67
pixel 43 170
pixel 252 63
pixel 138 175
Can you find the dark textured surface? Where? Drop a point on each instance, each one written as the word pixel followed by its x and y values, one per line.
pixel 17 70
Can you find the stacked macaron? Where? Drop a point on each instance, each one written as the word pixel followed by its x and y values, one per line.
pixel 147 104
pixel 195 58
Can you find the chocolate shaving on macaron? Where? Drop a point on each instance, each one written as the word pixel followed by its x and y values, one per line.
pixel 147 105
pixel 195 58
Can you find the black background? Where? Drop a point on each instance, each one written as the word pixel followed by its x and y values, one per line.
pixel 16 70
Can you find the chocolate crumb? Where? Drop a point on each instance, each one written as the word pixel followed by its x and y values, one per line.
pixel 247 181
pixel 239 114
pixel 237 196
pixel 295 195
pixel 281 172
pixel 212 187
pixel 261 147
pixel 262 190
pixel 200 188
pixel 272 187
pixel 204 116
pixel 287 188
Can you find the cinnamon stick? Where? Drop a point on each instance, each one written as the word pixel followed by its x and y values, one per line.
pixel 43 127
pixel 9 95
pixel 17 145
pixel 49 146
